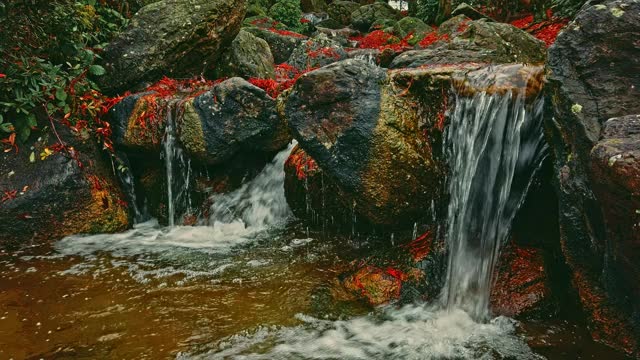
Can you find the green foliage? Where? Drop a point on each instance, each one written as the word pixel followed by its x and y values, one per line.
pixel 47 59
pixel 289 13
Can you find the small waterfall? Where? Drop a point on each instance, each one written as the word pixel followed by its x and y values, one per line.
pixel 178 171
pixel 494 145
pixel 258 203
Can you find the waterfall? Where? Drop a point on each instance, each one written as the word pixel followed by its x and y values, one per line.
pixel 178 171
pixel 494 145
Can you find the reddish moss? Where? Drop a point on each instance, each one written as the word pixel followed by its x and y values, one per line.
pixel 287 33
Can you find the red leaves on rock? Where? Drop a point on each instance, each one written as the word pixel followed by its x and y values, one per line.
pixel 381 40
pixel 325 51
pixel 433 37
pixel 303 164
pixel 286 76
pixel 287 33
pixel 420 247
pixel 546 31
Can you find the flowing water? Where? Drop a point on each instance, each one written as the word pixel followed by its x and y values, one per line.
pixel 251 283
pixel 494 145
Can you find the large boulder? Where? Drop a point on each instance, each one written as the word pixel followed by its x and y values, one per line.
pixel 366 15
pixel 248 57
pixel 341 10
pixel 48 193
pixel 463 40
pixel 170 37
pixel 317 52
pixel 281 42
pixel 594 75
pixel 213 124
pixel 367 130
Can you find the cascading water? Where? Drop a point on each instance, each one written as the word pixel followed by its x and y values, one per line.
pixel 178 171
pixel 494 145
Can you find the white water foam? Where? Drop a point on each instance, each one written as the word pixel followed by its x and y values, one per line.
pixel 237 217
pixel 411 332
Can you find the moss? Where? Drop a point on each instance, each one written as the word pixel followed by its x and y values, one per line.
pixel 191 134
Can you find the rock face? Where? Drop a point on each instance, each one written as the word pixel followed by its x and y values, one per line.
pixel 371 136
pixel 464 40
pixel 230 118
pixel 310 6
pixel 248 57
pixel 317 52
pixel 281 45
pixel 366 15
pixel 521 287
pixel 170 37
pixel 341 11
pixel 58 195
pixel 595 76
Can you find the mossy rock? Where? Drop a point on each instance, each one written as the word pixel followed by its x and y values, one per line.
pixel 340 11
pixel 409 25
pixel 366 15
pixel 248 57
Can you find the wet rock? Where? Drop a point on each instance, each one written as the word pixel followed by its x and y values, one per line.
pixel 341 11
pixel 213 124
pixel 462 40
pixel 234 117
pixel 373 136
pixel 248 57
pixel 378 286
pixel 595 76
pixel 281 44
pixel 521 288
pixel 381 58
pixel 47 197
pixel 317 52
pixel 366 15
pixel 170 37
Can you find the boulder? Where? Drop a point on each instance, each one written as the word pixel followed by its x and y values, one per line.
pixel 316 52
pixel 366 131
pixel 341 10
pixel 213 124
pixel 313 6
pixel 410 25
pixel 170 37
pixel 248 57
pixel 48 194
pixel 469 11
pixel 281 43
pixel 462 40
pixel 366 15
pixel 594 75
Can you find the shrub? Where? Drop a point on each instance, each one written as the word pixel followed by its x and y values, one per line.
pixel 289 13
pixel 47 59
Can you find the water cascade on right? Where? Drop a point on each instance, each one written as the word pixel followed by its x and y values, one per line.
pixel 494 146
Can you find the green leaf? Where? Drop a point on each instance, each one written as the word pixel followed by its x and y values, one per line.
pixel 6 127
pixel 97 70
pixel 32 157
pixel 61 94
pixel 24 134
pixel 31 120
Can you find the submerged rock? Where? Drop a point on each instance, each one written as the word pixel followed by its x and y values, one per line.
pixel 47 194
pixel 594 75
pixel 248 57
pixel 170 37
